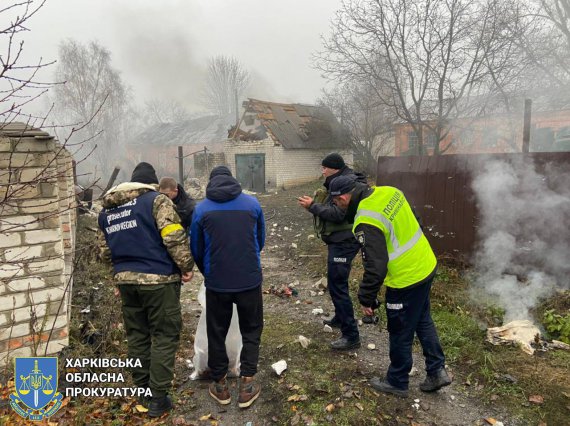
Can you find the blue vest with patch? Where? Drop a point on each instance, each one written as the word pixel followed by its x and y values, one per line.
pixel 133 238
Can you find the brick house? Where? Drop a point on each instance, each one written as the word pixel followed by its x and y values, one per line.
pixel 37 238
pixel 550 131
pixel 158 144
pixel 277 145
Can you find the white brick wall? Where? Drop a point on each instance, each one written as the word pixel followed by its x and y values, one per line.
pixel 284 168
pixel 37 235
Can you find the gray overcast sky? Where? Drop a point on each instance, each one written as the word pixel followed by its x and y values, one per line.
pixel 161 47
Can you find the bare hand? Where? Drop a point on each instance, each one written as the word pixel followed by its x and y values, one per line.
pixel 305 201
pixel 367 311
pixel 116 291
pixel 187 276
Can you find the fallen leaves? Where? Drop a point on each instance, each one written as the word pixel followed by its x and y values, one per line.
pixel 297 398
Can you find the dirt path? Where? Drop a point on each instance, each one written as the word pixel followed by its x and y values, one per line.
pixel 323 377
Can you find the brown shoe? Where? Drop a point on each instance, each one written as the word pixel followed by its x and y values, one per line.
pixel 248 392
pixel 220 391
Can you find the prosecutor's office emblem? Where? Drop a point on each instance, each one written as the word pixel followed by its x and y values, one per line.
pixel 36 396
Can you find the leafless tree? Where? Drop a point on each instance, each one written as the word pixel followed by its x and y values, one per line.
pixel 431 55
pixel 160 111
pixel 20 82
pixel 369 122
pixel 226 78
pixel 93 96
pixel 543 36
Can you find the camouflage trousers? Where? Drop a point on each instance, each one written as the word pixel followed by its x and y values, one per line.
pixel 153 320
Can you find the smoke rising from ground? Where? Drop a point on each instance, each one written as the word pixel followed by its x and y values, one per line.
pixel 524 234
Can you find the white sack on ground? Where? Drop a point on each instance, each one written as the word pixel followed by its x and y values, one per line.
pixel 233 343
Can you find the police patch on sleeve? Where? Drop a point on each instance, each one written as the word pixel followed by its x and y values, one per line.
pixel 360 237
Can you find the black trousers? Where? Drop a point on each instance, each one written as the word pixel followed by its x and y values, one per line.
pixel 219 309
pixel 409 313
pixel 338 270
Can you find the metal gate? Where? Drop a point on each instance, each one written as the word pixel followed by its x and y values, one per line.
pixel 250 171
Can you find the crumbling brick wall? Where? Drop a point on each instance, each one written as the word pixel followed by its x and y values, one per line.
pixel 37 237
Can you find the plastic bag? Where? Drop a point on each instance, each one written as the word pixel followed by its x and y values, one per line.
pixel 233 343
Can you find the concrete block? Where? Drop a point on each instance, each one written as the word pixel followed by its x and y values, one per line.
pixel 42 205
pixel 19 254
pixel 25 284
pixel 48 189
pixel 54 295
pixel 10 239
pixel 11 301
pixel 10 271
pixel 5 145
pixel 19 223
pixel 32 145
pixel 23 314
pixel 42 236
pixel 50 265
pixel 31 174
pixel 16 330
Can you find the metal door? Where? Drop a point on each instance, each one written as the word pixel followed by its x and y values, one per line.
pixel 250 171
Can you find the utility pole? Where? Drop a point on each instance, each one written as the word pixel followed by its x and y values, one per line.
pixel 526 126
pixel 181 166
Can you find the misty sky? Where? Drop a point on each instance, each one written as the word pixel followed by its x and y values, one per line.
pixel 161 47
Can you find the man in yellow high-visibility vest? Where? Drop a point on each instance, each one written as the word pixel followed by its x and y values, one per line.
pixel 396 253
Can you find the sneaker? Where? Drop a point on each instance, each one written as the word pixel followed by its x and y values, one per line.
pixel 332 322
pixel 385 387
pixel 436 382
pixel 345 344
pixel 248 392
pixel 159 405
pixel 220 392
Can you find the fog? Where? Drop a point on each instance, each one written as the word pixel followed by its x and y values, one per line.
pixel 161 48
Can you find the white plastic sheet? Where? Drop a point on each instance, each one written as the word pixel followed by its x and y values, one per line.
pixel 233 343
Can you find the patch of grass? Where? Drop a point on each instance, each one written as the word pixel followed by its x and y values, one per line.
pixel 325 379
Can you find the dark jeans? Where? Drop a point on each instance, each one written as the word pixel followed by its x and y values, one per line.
pixel 152 322
pixel 338 269
pixel 219 310
pixel 408 313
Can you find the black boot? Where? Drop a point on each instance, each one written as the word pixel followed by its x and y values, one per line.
pixel 344 344
pixel 333 322
pixel 385 387
pixel 436 382
pixel 159 405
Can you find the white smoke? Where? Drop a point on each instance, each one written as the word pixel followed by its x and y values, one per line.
pixel 524 235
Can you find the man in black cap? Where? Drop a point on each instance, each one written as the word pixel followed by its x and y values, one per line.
pixel 141 235
pixel 396 253
pixel 333 227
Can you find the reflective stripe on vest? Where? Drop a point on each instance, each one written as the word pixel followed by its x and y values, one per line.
pixel 410 256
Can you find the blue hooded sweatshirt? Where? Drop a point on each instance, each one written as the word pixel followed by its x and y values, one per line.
pixel 227 236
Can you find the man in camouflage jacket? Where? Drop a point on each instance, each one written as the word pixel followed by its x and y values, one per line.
pixel 141 235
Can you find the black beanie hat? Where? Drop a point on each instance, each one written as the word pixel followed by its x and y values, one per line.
pixel 144 173
pixel 333 161
pixel 220 171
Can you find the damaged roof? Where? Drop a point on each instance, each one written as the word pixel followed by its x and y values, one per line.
pixel 298 126
pixel 199 131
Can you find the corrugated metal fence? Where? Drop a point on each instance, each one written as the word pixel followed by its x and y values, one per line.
pixel 439 188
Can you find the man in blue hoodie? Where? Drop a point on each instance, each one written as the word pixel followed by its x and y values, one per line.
pixel 228 234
